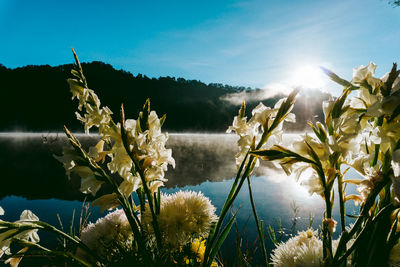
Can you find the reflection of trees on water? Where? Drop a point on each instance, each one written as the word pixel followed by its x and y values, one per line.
pixel 28 168
pixel 202 157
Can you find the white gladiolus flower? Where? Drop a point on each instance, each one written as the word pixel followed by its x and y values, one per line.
pixel 396 175
pixel 250 132
pixel 327 106
pixel 29 235
pixel 89 183
pixel 365 74
pixel 68 160
pixel 1 211
pixel 367 185
pixel 107 202
pixel 308 178
pixel 147 145
pixel 95 117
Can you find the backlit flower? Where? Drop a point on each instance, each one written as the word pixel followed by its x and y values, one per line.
pixel 28 235
pixel 365 74
pixel 305 249
pixel 250 132
pixel 108 234
pixel 183 215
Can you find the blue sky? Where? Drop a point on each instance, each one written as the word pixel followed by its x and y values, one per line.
pixel 249 43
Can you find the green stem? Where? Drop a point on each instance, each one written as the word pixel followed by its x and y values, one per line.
pixel 133 220
pixel 259 229
pixel 341 203
pixel 224 210
pixel 346 236
pixel 45 252
pixel 246 173
pixel 143 178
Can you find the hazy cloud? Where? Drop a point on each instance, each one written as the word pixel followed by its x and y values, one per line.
pixel 267 92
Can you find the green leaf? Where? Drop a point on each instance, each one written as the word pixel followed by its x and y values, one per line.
pixel 395 113
pixel 319 131
pixel 336 78
pixel 269 154
pixel 284 109
pixel 387 86
pixel 221 239
pixel 144 116
pixel 162 120
pixel 76 74
pixel 278 153
pixel 242 110
pixel 338 109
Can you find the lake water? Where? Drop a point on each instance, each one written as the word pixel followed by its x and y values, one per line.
pixel 32 179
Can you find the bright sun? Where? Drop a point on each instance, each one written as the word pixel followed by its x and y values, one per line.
pixel 309 77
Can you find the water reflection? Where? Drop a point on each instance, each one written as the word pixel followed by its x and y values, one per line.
pixel 203 163
pixel 29 169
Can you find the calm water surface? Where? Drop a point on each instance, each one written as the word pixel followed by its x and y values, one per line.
pixel 32 179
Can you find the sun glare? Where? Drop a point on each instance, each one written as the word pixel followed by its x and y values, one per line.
pixel 309 77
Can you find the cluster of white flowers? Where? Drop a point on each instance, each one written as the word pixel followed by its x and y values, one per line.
pixel 305 249
pixel 353 133
pixel 183 215
pixel 250 132
pixel 146 145
pixel 304 172
pixel 375 101
pixel 107 234
pixel 149 148
pixel 70 159
pixel 28 235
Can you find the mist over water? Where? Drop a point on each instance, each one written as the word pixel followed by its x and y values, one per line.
pixel 204 162
pixel 27 159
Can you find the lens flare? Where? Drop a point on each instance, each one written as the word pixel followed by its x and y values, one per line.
pixel 309 77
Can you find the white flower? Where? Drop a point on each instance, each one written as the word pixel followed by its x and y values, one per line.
pixel 183 215
pixel 1 211
pixel 108 201
pixel 95 117
pixel 250 132
pixel 108 234
pixel 89 182
pixel 240 126
pixel 365 73
pixel 149 148
pixel 327 106
pixel 367 185
pixel 29 235
pixel 305 249
pixel 308 178
pixel 68 159
pixel 396 175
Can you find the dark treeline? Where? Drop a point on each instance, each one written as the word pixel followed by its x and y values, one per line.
pixel 37 98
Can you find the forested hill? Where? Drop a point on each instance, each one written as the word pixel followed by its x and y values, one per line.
pixel 37 98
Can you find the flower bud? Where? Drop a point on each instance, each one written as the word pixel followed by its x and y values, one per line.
pixel 331 224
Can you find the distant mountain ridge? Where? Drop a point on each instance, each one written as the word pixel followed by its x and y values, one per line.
pixel 37 98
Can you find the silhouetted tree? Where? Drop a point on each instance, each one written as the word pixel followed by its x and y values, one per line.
pixel 37 98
